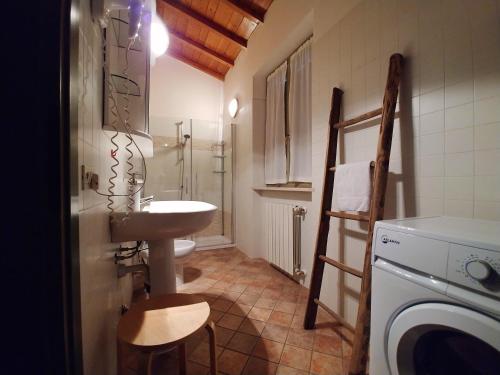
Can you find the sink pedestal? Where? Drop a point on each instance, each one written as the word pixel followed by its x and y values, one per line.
pixel 162 266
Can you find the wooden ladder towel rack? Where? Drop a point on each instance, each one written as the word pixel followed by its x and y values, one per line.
pixel 380 171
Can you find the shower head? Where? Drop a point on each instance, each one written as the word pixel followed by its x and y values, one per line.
pixel 178 123
pixel 186 137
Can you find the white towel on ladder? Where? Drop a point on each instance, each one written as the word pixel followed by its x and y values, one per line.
pixel 352 189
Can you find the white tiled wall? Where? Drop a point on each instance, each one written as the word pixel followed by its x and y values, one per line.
pixel 102 293
pixel 446 146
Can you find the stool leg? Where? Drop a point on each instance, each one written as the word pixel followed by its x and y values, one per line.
pixel 182 358
pixel 120 358
pixel 213 347
pixel 149 364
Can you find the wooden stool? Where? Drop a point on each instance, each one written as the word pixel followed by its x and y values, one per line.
pixel 161 323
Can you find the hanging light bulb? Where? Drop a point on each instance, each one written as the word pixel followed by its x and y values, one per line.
pixel 159 36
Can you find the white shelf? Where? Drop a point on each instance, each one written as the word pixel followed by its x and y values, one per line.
pixel 288 189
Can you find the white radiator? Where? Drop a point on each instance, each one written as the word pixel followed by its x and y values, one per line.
pixel 282 231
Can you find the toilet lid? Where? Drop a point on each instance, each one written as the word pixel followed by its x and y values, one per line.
pixel 183 247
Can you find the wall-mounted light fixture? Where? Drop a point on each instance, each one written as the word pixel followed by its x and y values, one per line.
pixel 233 107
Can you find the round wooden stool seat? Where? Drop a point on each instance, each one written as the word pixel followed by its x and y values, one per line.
pixel 163 322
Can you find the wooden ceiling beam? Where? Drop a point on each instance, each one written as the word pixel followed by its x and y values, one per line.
pixel 248 12
pixel 220 30
pixel 201 48
pixel 194 64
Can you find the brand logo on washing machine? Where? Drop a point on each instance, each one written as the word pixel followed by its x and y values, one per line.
pixel 386 239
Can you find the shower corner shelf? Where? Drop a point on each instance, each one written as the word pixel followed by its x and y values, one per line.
pixel 219 156
pixel 286 189
pixel 218 171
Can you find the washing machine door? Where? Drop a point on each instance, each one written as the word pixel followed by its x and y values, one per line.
pixel 443 339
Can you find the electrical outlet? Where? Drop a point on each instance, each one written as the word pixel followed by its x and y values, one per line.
pixel 89 179
pixel 93 180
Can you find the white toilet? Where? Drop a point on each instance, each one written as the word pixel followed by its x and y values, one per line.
pixel 182 249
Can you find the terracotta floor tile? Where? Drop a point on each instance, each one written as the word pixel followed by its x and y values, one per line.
pixel 300 309
pixel 258 313
pixel 324 364
pixel 222 285
pixel 289 298
pixel 165 364
pixel 297 321
pixel 327 328
pixel 296 357
pixel 248 299
pixel 230 296
pixel 271 293
pixel 266 303
pixel 230 321
pixel 345 364
pixel 221 305
pixel 252 327
pixel 213 292
pixel 240 309
pixel 223 335
pixel 285 370
pixel 231 362
pixel 346 349
pixel 254 290
pixel 257 366
pixel 257 310
pixel 281 318
pixel 196 369
pixel 275 332
pixel 287 307
pixel 201 354
pixel 215 315
pixel 268 350
pixel 238 287
pixel 300 337
pixel 242 342
pixel 328 344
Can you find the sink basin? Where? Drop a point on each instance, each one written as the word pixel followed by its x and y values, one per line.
pixel 159 223
pixel 162 219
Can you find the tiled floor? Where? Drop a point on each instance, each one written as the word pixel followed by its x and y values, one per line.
pixel 259 314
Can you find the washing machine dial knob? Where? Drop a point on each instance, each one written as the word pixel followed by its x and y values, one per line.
pixel 479 270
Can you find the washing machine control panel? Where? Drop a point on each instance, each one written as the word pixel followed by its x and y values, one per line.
pixel 474 268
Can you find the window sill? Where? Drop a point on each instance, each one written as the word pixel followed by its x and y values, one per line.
pixel 284 189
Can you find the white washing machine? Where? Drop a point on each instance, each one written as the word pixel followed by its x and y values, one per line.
pixel 435 297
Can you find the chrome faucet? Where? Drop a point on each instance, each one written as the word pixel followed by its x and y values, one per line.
pixel 147 199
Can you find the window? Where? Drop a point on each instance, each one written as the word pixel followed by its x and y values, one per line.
pixel 288 120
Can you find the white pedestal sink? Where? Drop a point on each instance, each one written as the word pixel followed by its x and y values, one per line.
pixel 159 223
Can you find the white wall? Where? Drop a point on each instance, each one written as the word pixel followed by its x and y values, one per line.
pixel 180 91
pixel 102 293
pixel 270 44
pixel 446 148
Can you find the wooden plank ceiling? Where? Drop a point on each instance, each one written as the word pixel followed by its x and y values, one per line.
pixel 209 34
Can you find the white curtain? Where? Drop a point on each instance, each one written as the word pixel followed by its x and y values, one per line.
pixel 275 157
pixel 299 104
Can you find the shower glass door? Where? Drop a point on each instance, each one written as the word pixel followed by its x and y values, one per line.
pixel 193 161
pixel 212 179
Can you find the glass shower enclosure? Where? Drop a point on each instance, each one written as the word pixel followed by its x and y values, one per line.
pixel 193 160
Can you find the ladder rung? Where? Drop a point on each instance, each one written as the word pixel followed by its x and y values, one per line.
pixel 341 266
pixel 360 118
pixel 345 215
pixel 336 316
pixel 372 165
